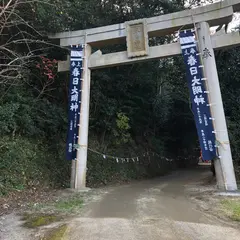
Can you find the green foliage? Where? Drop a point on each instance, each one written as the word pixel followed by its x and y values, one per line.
pixel 102 171
pixel 228 67
pixel 122 121
pixel 19 163
pixel 57 233
pixel 26 162
pixel 121 133
pixel 65 15
pixel 32 221
pixel 232 209
pixel 69 205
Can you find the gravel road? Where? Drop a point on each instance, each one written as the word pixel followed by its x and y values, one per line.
pixel 158 209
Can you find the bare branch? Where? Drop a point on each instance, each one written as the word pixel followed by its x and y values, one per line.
pixel 5 8
pixel 19 43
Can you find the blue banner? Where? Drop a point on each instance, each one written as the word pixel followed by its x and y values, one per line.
pixel 198 94
pixel 74 101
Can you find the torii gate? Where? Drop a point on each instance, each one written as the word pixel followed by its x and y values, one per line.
pixel 203 18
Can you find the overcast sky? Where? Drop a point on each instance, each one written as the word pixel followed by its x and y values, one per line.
pixel 236 17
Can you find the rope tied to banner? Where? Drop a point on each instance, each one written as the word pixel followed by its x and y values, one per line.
pixel 222 143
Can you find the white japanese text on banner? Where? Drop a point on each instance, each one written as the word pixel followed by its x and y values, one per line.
pixel 198 94
pixel 74 100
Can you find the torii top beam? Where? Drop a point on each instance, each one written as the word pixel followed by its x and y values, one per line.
pixel 215 14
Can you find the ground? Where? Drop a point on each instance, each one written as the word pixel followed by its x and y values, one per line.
pixel 179 206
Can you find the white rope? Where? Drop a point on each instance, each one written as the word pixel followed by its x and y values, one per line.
pixel 135 158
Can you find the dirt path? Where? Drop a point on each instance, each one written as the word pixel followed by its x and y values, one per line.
pixel 155 209
pixel 158 209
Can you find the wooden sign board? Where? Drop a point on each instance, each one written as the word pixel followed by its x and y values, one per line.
pixel 137 38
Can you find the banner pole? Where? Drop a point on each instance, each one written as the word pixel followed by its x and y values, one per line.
pixel 74 98
pixel 228 182
pixel 81 163
pixel 216 161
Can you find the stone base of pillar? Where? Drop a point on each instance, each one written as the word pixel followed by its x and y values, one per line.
pixel 81 190
pixel 229 194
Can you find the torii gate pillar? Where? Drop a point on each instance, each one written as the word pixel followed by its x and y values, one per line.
pixel 224 165
pixel 81 162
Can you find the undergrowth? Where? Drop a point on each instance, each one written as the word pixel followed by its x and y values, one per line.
pixel 33 221
pixel 26 163
pixel 232 208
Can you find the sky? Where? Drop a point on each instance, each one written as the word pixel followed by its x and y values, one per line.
pixel 236 17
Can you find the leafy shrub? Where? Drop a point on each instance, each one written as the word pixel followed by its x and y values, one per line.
pixel 25 163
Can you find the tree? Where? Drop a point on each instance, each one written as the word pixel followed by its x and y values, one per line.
pixel 15 32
